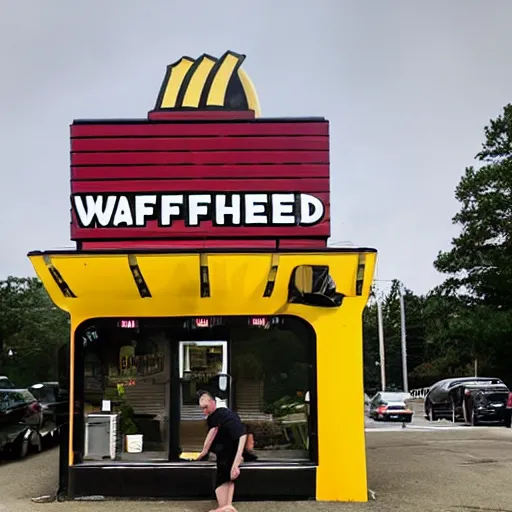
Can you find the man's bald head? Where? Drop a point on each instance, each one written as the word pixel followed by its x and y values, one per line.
pixel 206 402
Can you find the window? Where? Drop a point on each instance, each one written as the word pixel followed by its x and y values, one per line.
pixel 46 394
pixel 149 377
pixel 127 368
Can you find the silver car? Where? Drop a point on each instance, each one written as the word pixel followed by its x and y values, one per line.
pixel 390 406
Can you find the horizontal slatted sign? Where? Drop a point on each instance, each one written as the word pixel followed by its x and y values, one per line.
pixel 148 184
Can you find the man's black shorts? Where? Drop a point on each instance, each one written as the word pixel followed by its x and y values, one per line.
pixel 225 459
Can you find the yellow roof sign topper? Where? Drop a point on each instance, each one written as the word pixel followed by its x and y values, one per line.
pixel 208 83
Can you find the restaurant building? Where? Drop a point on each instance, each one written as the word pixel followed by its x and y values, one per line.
pixel 201 262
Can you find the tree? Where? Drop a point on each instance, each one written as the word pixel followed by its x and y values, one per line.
pixel 479 263
pixel 480 260
pixel 415 331
pixel 32 329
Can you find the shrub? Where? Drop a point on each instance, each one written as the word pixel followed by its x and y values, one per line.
pixel 266 433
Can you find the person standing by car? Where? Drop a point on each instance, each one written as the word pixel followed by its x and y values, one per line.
pixel 227 437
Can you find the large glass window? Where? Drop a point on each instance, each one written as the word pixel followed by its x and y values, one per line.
pixel 141 378
pixel 272 374
pixel 126 400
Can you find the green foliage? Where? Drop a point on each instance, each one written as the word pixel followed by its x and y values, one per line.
pixel 33 328
pixel 468 317
pixel 266 433
pixel 480 260
pixel 127 424
pixel 416 338
pixel 286 405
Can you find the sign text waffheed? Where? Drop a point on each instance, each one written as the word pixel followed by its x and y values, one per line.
pixel 222 209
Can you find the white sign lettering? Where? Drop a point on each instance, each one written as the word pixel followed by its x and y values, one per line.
pixel 144 208
pixel 222 209
pixel 255 209
pixel 170 207
pixel 198 207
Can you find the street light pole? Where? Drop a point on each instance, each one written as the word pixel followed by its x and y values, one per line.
pixel 381 346
pixel 403 340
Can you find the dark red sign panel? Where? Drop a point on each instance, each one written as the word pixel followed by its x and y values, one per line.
pixel 200 183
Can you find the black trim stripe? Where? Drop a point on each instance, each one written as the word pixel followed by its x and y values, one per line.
pixel 170 250
pixel 138 277
pixel 272 274
pixel 204 276
pixel 57 277
pixel 361 264
pixel 195 121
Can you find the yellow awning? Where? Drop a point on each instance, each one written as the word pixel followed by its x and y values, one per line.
pixel 163 284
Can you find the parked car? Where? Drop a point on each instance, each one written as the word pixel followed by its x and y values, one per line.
pixel 508 417
pixel 438 402
pixel 482 402
pixel 54 404
pixel 20 421
pixel 390 406
pixel 5 383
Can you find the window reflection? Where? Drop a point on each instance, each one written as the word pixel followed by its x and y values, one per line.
pixel 271 375
pixel 125 398
pixel 267 370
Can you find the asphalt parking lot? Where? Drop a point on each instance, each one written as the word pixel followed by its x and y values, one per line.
pixel 441 469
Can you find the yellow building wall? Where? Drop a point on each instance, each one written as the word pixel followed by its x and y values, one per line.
pixel 104 287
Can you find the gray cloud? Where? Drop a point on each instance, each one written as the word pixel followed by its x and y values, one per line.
pixel 407 86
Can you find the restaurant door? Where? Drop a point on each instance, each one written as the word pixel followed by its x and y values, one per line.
pixel 200 365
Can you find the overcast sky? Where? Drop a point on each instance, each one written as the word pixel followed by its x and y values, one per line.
pixel 408 87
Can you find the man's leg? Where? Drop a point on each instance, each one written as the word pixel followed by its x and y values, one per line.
pixel 222 493
pixel 231 493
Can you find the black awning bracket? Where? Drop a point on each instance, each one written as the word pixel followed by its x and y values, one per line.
pixel 272 274
pixel 138 277
pixel 57 277
pixel 204 276
pixel 361 264
pixel 313 285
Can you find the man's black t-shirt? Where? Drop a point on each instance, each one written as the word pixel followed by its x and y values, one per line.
pixel 231 428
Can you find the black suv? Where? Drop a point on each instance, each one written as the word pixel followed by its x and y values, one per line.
pixel 20 421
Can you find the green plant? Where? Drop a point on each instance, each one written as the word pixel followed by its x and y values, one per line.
pixel 127 424
pixel 266 433
pixel 285 405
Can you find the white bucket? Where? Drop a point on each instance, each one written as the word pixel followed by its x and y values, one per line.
pixel 134 443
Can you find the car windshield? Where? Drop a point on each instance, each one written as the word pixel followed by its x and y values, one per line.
pixel 394 397
pixel 6 384
pixel 469 382
pixel 45 394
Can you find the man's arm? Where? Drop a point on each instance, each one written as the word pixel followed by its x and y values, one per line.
pixel 208 442
pixel 235 470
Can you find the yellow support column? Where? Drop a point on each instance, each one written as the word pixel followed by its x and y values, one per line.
pixel 341 474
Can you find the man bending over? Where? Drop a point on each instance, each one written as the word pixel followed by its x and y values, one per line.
pixel 228 435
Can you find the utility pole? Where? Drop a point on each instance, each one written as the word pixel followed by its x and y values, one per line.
pixel 381 346
pixel 404 340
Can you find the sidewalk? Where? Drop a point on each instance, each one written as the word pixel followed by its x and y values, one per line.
pixel 423 471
